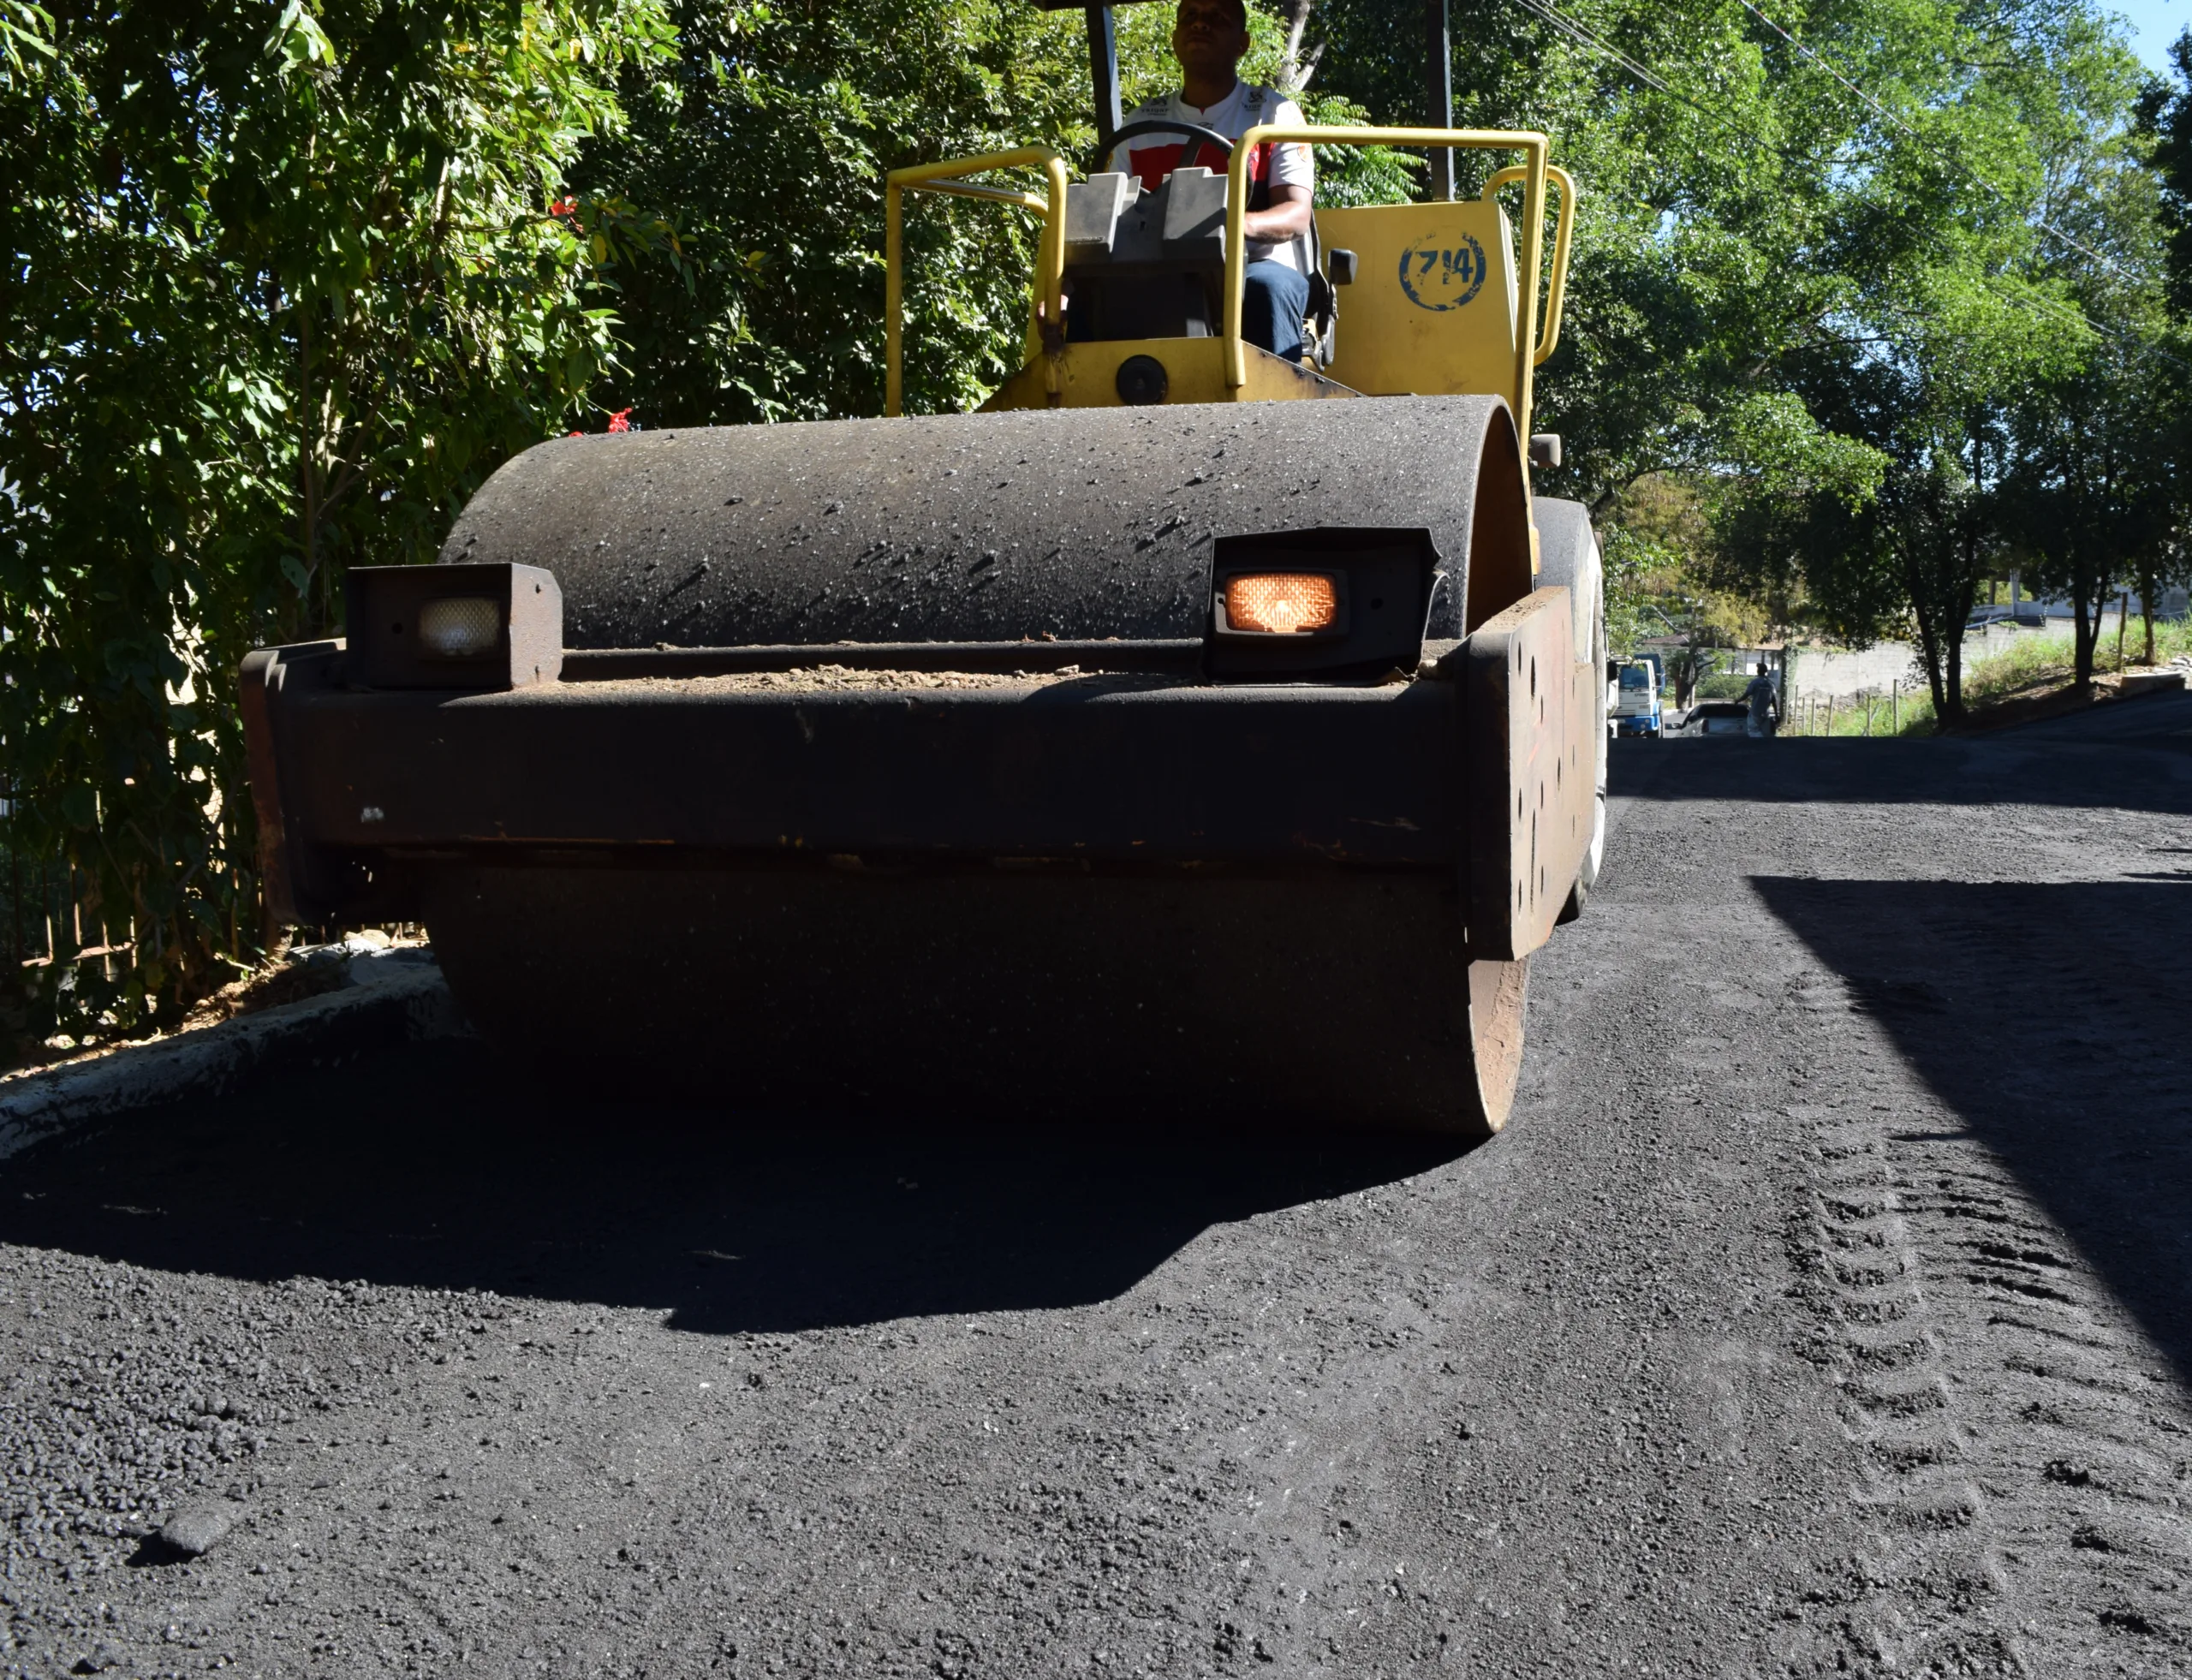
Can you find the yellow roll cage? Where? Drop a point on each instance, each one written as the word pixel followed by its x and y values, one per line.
pixel 1540 335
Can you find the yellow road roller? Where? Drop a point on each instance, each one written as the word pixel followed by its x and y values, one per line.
pixel 1187 731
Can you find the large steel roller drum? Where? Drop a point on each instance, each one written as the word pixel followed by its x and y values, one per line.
pixel 1075 524
pixel 1300 981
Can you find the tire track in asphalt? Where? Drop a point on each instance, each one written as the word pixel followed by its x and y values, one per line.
pixel 2026 1431
pixel 2080 1426
pixel 2010 1416
pixel 1915 1604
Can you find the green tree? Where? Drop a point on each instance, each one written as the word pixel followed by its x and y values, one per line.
pixel 770 135
pixel 284 283
pixel 2166 119
pixel 2096 497
pixel 2166 125
pixel 1909 198
pixel 2094 476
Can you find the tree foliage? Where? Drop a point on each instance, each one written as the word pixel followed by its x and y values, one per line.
pixel 771 133
pixel 1832 254
pixel 283 283
pixel 2165 117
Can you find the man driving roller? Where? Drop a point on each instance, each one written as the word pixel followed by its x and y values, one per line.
pixel 1209 37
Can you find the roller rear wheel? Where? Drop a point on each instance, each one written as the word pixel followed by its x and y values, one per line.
pixel 1319 998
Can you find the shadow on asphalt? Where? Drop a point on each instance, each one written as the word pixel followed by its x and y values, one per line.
pixel 437 1167
pixel 2162 720
pixel 2015 767
pixel 2053 1018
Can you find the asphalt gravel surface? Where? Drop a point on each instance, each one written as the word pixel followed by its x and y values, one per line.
pixel 1822 1310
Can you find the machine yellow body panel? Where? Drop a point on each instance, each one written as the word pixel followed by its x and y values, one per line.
pixel 1432 309
pixel 1086 375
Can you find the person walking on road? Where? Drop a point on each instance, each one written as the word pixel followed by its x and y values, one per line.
pixel 1764 706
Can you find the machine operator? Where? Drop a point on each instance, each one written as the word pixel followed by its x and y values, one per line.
pixel 1209 37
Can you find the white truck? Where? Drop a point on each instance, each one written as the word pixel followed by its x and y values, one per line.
pixel 1636 684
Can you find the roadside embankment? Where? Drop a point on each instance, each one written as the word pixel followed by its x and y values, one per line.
pixel 382 998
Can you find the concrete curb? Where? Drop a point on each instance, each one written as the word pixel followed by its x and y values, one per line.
pixel 2163 681
pixel 391 998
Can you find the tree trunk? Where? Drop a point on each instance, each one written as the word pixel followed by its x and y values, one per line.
pixel 1954 711
pixel 306 447
pixel 1925 611
pixel 2088 592
pixel 1293 73
pixel 1948 704
pixel 1930 656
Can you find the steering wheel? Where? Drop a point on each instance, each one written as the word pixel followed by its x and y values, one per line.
pixel 1136 130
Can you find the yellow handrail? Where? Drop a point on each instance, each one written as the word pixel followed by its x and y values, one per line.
pixel 1533 146
pixel 1557 294
pixel 946 177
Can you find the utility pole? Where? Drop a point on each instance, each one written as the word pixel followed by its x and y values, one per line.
pixel 1439 62
pixel 1104 72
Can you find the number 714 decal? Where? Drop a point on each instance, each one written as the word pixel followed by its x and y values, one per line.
pixel 1442 277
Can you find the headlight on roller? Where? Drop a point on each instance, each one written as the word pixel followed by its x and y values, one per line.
pixel 459 627
pixel 465 625
pixel 1267 602
pixel 1338 604
pixel 1280 604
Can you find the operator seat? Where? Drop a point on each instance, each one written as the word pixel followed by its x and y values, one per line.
pixel 1144 263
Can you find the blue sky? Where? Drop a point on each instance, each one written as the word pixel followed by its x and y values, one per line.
pixel 2155 25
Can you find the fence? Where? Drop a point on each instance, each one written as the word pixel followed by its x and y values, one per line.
pixel 1868 712
pixel 87 959
pixel 53 917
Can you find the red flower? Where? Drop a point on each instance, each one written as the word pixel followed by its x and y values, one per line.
pixel 621 420
pixel 566 205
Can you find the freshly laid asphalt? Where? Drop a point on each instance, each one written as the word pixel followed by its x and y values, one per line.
pixel 1823 1309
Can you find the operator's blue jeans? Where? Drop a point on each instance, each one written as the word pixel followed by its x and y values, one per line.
pixel 1272 300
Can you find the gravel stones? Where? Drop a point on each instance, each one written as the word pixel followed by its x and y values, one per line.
pixel 197 1529
pixel 627 1390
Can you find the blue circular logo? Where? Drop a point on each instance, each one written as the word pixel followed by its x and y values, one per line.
pixel 1443 276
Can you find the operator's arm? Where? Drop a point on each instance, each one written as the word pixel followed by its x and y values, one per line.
pixel 1289 217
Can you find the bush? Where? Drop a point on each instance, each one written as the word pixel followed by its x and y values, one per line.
pixel 1723 686
pixel 285 284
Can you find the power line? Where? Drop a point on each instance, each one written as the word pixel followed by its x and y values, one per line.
pixel 1957 164
pixel 1576 32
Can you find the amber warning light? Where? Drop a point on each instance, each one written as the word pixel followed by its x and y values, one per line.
pixel 1281 603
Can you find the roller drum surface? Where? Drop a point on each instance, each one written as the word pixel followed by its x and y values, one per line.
pixel 1074 524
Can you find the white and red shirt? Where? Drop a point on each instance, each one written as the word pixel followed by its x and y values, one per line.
pixel 1151 158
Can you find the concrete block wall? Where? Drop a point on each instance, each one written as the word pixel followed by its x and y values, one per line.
pixel 1842 672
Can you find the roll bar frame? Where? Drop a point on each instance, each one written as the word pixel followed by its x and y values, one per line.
pixel 1557 292
pixel 1536 337
pixel 948 178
